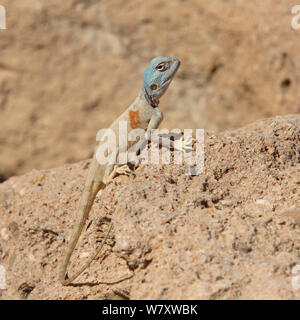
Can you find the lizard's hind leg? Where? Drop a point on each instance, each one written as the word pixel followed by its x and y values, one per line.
pixel 118 170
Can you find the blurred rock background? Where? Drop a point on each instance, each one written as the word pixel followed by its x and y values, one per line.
pixel 69 68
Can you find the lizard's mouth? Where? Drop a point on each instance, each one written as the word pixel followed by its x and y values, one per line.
pixel 176 63
pixel 175 66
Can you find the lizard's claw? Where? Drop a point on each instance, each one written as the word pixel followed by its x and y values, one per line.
pixel 123 170
pixel 119 170
pixel 184 144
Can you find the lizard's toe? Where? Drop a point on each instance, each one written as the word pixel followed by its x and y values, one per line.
pixel 124 170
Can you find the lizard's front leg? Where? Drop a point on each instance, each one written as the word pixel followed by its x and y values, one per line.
pixel 178 144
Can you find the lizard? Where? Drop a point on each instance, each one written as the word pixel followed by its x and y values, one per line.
pixel 143 113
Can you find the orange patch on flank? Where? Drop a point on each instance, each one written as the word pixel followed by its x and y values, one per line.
pixel 134 117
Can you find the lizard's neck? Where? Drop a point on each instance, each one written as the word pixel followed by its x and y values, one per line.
pixel 152 102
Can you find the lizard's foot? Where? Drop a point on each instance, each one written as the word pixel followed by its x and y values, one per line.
pixel 184 144
pixel 121 170
pixel 124 169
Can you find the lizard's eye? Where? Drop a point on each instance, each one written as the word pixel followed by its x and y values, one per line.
pixel 161 67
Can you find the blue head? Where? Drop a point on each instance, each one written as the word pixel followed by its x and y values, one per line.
pixel 158 76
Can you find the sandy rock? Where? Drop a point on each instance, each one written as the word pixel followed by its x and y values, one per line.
pixel 231 232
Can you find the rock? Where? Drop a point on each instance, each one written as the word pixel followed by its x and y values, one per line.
pixel 231 232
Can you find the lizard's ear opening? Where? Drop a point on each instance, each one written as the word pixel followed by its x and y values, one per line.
pixel 153 86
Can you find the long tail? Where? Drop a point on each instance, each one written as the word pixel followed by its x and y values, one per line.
pixel 92 186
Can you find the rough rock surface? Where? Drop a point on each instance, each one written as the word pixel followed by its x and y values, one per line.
pixel 68 68
pixel 232 232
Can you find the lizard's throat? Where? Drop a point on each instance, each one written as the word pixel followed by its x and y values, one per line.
pixel 153 102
